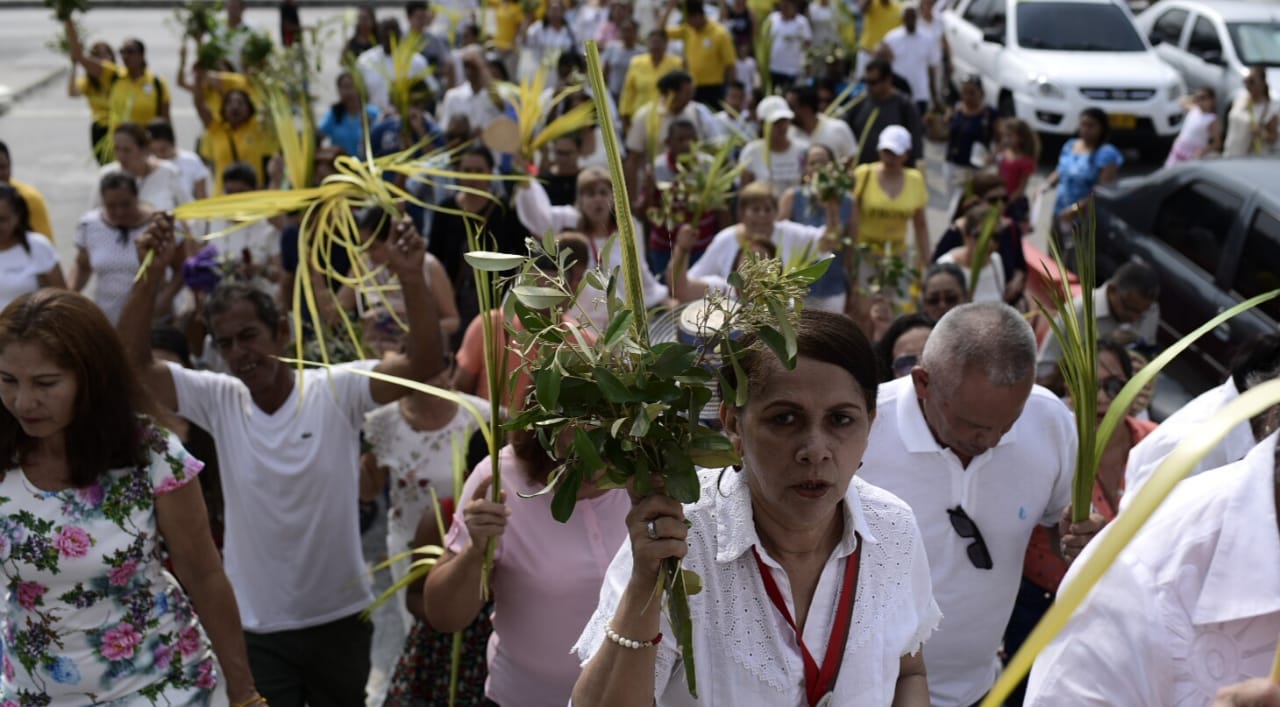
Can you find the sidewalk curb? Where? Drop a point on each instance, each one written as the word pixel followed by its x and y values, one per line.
pixel 20 93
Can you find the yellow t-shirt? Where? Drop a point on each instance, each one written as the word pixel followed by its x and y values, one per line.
pixel 37 209
pixel 138 100
pixel 878 20
pixel 883 220
pixel 252 143
pixel 709 53
pixel 641 85
pixel 507 20
pixel 98 93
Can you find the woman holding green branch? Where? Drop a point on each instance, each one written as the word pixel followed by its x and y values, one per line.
pixel 806 569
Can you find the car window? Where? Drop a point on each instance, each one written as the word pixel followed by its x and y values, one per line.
pixel 1260 261
pixel 1256 42
pixel 1196 221
pixel 1204 39
pixel 1076 26
pixel 1168 28
pixel 978 13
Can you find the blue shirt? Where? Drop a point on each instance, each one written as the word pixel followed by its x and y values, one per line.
pixel 347 131
pixel 1078 172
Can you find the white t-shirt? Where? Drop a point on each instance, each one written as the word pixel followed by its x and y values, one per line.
pixel 1022 482
pixel 786 56
pixel 290 481
pixel 20 268
pixel 193 170
pixel 544 41
pixel 913 54
pixel 163 189
pixel 834 134
pixel 377 68
pixel 463 100
pixel 746 652
pixel 261 239
pixel 782 170
pixel 792 240
pixel 991 280
pixel 1195 129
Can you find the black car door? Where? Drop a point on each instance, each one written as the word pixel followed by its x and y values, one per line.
pixel 1257 272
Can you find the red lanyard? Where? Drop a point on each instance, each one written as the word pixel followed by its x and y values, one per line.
pixel 818 682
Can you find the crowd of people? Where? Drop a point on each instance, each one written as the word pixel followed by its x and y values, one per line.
pixel 900 520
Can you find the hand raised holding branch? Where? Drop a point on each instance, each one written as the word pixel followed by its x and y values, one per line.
pixel 156 246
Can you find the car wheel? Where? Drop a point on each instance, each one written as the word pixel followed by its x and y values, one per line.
pixel 1005 105
pixel 1155 150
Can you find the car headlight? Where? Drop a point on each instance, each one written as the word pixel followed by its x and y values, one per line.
pixel 1046 89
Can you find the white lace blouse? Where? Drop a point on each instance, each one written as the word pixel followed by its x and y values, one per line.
pixel 745 653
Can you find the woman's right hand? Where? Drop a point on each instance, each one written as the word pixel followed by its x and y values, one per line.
pixel 668 538
pixel 158 238
pixel 485 519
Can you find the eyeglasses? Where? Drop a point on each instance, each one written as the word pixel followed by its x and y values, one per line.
pixel 949 299
pixel 966 528
pixel 903 364
pixel 1112 385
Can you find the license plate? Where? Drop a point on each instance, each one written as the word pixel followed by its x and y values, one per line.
pixel 1122 121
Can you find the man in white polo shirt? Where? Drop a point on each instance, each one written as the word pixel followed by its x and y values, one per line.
pixel 288 446
pixel 982 456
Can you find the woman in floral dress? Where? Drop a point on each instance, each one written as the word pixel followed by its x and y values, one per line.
pixel 91 486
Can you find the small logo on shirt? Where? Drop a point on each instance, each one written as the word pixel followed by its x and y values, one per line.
pixel 1022 513
pixel 306 435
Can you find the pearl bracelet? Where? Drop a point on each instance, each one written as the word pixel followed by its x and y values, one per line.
pixel 630 642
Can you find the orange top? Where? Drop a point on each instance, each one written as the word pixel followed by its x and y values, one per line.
pixel 1045 567
pixel 470 358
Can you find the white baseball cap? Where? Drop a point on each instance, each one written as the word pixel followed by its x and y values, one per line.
pixel 895 139
pixel 774 108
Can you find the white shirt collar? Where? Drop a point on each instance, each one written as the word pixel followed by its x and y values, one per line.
pixel 916 435
pixel 1243 579
pixel 736 529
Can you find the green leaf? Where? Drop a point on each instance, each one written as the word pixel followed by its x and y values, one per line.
pixel 617 328
pixel 546 384
pixel 489 261
pixel 681 621
pixel 640 427
pixel 681 476
pixel 585 448
pixel 810 274
pixel 739 392
pixel 788 332
pixel 692 581
pixel 613 389
pixel 735 280
pixel 775 341
pixel 538 297
pixel 566 497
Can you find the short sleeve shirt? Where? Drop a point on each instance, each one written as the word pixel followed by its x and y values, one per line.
pixel 92 615
pixel 21 268
pixel 882 220
pixel 1078 173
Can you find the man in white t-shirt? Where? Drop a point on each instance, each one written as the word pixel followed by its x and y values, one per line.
pixel 811 127
pixel 982 456
pixel 791 34
pixel 288 445
pixel 477 97
pixel 377 67
pixel 917 57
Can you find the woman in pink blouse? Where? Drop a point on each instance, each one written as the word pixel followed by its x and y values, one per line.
pixel 541 599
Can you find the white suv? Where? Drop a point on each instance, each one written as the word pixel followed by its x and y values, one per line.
pixel 1058 57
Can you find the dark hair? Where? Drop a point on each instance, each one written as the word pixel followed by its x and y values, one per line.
pixel 480 151
pixel 534 458
pixel 339 110
pixel 974 220
pixel 734 83
pixel 1137 276
pixel 831 154
pixel 136 132
pixel 951 269
pixel 571 59
pixel 823 336
pixel 681 124
pixel 673 81
pixel 21 210
pixel 1107 344
pixel 414 6
pixel 979 184
pixel 376 222
pixel 900 326
pixel 228 294
pixel 694 8
pixel 247 101
pixel 1260 356
pixel 806 96
pixel 1100 117
pixel 241 172
pixel 4 150
pixel 883 67
pixel 105 432
pixel 161 129
pixel 117 180
pixel 142 48
pixel 167 338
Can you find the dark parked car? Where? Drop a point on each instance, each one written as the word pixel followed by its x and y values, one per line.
pixel 1212 230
